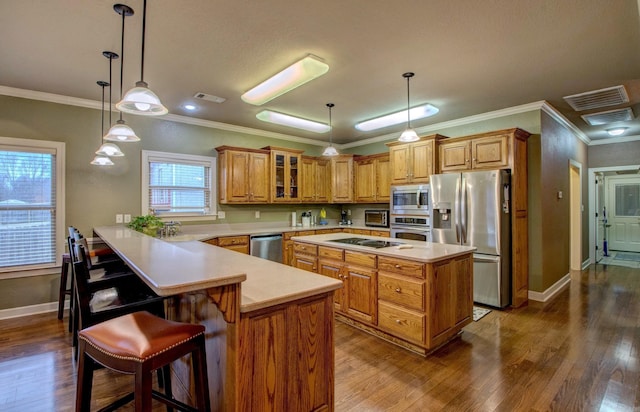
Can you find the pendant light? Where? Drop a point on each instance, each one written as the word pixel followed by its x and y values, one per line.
pixel 109 149
pixel 102 160
pixel 120 132
pixel 141 100
pixel 409 135
pixel 330 150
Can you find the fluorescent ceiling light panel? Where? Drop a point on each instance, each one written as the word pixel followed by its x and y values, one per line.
pixel 291 121
pixel 419 112
pixel 293 76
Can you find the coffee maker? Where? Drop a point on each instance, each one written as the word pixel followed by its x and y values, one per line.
pixel 343 217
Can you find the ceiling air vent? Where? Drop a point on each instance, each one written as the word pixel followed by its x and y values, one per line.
pixel 611 96
pixel 610 116
pixel 209 97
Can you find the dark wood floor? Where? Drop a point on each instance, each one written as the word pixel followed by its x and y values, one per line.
pixel 578 352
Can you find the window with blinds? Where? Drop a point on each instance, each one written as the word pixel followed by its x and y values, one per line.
pixel 28 204
pixel 176 184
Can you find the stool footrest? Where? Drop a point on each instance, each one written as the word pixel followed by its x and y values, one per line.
pixel 172 402
pixel 118 403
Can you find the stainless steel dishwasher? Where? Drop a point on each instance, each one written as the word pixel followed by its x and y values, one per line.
pixel 267 246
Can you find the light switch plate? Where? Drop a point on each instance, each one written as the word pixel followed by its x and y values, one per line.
pixel 127 218
pixel 119 218
pixel 257 214
pixel 221 214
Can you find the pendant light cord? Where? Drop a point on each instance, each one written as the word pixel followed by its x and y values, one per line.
pixel 408 105
pixel 122 56
pixel 102 113
pixel 110 88
pixel 330 105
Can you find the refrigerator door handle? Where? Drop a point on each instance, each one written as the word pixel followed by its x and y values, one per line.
pixel 463 210
pixel 456 208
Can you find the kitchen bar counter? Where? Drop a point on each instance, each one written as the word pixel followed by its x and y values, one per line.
pixel 269 327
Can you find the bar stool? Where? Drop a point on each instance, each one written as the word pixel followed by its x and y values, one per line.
pixel 139 343
pixel 63 292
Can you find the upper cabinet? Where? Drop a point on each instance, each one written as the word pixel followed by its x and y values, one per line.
pixel 342 179
pixel 372 178
pixel 285 175
pixel 476 152
pixel 315 182
pixel 414 162
pixel 243 175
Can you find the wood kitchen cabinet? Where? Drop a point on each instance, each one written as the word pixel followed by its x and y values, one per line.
pixel 243 175
pixel 470 153
pixel 342 179
pixel 414 162
pixel 372 178
pixel 315 182
pixel 235 243
pixel 285 175
pixel 501 149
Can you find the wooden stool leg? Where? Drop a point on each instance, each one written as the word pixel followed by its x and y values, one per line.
pixel 62 292
pixel 200 376
pixel 143 388
pixel 72 303
pixel 86 366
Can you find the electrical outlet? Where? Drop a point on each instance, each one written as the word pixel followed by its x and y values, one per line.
pixel 127 218
pixel 221 214
pixel 119 218
pixel 257 214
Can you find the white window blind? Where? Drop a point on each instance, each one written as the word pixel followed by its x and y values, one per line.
pixel 27 206
pixel 176 184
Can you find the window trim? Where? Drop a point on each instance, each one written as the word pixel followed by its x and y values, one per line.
pixel 60 231
pixel 149 155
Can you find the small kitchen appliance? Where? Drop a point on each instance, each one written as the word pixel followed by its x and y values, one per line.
pixel 376 218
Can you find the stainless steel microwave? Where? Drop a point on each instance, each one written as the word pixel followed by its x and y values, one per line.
pixel 410 199
pixel 376 218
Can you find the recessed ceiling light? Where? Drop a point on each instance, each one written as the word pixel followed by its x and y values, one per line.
pixel 189 107
pixel 419 112
pixel 617 131
pixel 288 79
pixel 292 121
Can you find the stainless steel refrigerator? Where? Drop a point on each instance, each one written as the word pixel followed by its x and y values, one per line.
pixel 473 209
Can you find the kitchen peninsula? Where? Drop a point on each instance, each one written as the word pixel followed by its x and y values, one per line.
pixel 418 295
pixel 269 326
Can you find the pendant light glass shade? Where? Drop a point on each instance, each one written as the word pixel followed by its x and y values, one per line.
pixel 409 135
pixel 142 101
pixel 120 132
pixel 330 150
pixel 109 149
pixel 101 161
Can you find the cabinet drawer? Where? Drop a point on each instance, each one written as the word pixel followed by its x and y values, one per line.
pixel 402 323
pixel 404 267
pixel 305 232
pixel 289 235
pixel 233 240
pixel 382 233
pixel 330 253
pixel 359 258
pixel 401 291
pixel 305 248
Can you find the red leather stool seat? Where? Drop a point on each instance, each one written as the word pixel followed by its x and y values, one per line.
pixel 140 343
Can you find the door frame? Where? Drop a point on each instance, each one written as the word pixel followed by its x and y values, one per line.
pixel 592 202
pixel 575 215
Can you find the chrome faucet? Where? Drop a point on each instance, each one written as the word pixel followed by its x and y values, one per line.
pixel 172 227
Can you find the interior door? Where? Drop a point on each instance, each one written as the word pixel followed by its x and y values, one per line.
pixel 623 197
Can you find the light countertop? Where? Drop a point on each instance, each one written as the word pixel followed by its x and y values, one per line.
pixel 171 268
pixel 426 252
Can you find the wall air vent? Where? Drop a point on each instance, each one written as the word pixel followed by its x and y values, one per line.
pixel 611 96
pixel 209 97
pixel 610 116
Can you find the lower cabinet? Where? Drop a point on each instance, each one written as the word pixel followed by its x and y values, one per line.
pixel 235 243
pixel 414 304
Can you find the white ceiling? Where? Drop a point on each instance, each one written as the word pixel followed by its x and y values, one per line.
pixel 470 57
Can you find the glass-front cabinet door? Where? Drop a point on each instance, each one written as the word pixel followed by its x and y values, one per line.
pixel 285 183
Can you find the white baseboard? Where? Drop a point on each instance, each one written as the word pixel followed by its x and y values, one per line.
pixel 552 291
pixel 586 264
pixel 31 310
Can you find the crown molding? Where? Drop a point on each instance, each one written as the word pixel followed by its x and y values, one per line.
pixel 92 104
pixel 559 117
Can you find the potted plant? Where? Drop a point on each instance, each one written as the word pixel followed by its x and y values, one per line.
pixel 147 224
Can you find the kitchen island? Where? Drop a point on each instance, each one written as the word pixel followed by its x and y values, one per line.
pixel 418 295
pixel 269 327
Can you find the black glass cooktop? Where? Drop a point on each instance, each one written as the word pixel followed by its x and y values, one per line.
pixel 361 241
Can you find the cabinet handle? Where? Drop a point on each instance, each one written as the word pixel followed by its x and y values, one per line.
pixel 340 276
pixel 397 266
pixel 345 277
pixel 398 321
pixel 398 290
pixel 314 268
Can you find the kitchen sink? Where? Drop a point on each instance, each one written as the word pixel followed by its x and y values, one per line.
pixel 361 241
